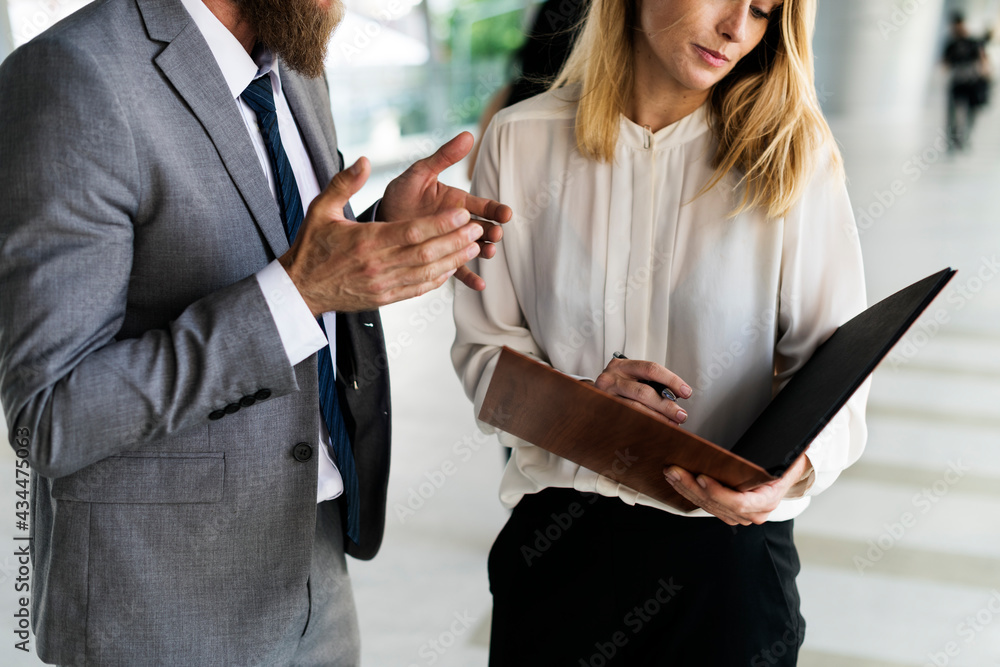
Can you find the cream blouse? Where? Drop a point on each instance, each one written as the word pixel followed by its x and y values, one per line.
pixel 627 257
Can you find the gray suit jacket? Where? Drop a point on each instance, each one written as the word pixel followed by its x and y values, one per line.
pixel 133 215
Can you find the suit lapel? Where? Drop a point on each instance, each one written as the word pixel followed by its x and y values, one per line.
pixel 189 65
pixel 326 159
pixel 324 162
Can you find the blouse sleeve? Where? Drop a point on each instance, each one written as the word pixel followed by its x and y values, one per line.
pixel 822 287
pixel 486 321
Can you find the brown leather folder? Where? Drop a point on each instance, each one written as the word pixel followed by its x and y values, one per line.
pixel 606 434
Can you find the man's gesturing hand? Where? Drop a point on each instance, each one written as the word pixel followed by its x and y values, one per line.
pixel 418 192
pixel 347 266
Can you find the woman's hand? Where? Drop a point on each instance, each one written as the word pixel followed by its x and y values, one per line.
pixel 623 377
pixel 738 507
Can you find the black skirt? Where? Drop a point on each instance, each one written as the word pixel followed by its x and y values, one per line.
pixel 582 580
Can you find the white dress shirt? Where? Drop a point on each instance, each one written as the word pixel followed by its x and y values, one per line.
pixel 299 331
pixel 627 257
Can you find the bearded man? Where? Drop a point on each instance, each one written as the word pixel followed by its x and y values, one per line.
pixel 191 359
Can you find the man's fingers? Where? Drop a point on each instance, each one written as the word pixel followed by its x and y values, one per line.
pixel 487 250
pixel 489 209
pixel 492 233
pixel 434 258
pixel 421 230
pixel 450 153
pixel 470 279
pixel 410 291
pixel 331 202
pixel 416 280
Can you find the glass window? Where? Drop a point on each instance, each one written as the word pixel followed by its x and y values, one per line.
pixel 405 75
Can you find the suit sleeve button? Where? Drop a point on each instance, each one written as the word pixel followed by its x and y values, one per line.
pixel 247 401
pixel 217 415
pixel 262 394
pixel 302 452
pixel 232 408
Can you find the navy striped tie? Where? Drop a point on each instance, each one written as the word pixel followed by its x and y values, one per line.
pixel 259 97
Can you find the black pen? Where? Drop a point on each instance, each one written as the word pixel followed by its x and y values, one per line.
pixel 658 387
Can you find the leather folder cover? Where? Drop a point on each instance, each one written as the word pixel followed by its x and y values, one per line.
pixel 604 433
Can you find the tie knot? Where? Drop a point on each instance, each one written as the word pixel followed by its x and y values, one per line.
pixel 259 96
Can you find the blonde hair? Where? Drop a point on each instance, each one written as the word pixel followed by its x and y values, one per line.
pixel 765 113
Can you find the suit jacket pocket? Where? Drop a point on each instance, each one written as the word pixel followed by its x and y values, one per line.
pixel 147 477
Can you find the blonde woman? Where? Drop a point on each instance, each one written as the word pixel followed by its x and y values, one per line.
pixel 678 197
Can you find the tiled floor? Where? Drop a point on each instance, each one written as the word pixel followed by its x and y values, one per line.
pixel 875 592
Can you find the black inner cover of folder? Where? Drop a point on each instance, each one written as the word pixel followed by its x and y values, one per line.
pixel 835 371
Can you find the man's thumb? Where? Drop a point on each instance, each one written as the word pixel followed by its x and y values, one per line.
pixel 345 185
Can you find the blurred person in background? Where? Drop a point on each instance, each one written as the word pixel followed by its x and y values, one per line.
pixel 968 81
pixel 679 197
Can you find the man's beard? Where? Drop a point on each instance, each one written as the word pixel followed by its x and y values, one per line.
pixel 296 30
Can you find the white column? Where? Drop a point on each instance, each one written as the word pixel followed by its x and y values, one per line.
pixel 876 58
pixel 6 38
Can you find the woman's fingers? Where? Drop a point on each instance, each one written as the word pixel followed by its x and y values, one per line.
pixel 734 507
pixel 638 381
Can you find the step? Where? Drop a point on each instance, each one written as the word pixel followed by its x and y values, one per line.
pixel 898 621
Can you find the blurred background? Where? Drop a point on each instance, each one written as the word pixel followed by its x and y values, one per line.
pixel 901 559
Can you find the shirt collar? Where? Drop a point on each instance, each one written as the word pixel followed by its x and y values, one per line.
pixel 686 129
pixel 238 67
